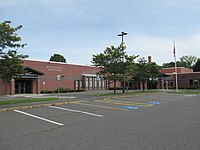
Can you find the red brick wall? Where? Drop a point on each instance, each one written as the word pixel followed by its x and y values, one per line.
pixel 4 88
pixel 68 73
pixel 179 70
pixel 184 79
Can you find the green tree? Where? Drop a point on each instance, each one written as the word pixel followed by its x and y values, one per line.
pixel 10 60
pixel 172 64
pixel 168 65
pixel 188 61
pixel 146 72
pixel 115 64
pixel 196 67
pixel 141 74
pixel 57 58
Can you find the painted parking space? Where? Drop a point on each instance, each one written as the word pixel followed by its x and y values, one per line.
pixel 38 117
pixel 122 105
pixel 80 113
pixel 52 114
pixel 76 111
pixel 130 107
pixel 122 102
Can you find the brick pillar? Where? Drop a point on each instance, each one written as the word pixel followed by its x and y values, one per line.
pixel 162 84
pixel 167 86
pixel 93 83
pixel 38 86
pixel 84 82
pixel 12 87
pixel 141 86
pixel 145 85
pixel 88 83
pixel 79 85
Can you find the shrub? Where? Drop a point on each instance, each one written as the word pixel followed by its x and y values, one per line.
pixel 117 88
pixel 81 90
pixel 45 91
pixel 61 90
pixel 192 87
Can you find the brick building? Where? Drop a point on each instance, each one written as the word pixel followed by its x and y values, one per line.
pixel 46 75
pixel 186 78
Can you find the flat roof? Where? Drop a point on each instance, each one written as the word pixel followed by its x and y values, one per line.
pixel 184 73
pixel 60 63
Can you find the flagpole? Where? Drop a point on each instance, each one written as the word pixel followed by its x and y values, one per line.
pixel 176 76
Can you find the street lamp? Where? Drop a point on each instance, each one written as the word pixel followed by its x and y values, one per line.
pixel 122 35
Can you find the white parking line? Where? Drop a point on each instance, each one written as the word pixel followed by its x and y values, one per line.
pixel 77 111
pixel 164 99
pixel 173 100
pixel 191 95
pixel 57 123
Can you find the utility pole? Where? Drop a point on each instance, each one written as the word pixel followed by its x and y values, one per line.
pixel 122 35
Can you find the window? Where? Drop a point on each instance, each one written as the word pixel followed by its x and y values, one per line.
pixel 81 83
pixel 90 83
pixel 95 83
pixel 195 82
pixel 87 83
pixel 191 82
pixel 171 83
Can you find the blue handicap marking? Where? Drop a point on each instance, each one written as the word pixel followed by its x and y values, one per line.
pixel 155 103
pixel 131 107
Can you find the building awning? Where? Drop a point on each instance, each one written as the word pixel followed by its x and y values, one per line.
pixel 30 70
pixel 30 73
pixel 89 75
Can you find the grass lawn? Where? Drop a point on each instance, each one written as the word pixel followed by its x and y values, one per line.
pixel 28 100
pixel 186 92
pixel 136 92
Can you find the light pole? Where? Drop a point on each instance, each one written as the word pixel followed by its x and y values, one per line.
pixel 58 79
pixel 122 35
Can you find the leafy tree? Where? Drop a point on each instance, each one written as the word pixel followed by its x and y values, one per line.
pixel 10 61
pixel 115 64
pixel 172 64
pixel 168 65
pixel 196 66
pixel 141 74
pixel 188 61
pixel 154 70
pixel 57 58
pixel 146 71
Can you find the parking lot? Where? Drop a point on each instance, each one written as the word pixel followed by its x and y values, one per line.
pixel 148 122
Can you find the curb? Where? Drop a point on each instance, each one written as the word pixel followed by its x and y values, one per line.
pixel 38 106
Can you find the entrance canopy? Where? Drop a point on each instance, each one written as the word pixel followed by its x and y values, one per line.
pixel 30 73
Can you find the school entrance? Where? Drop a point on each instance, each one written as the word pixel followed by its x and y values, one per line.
pixel 23 86
pixel 27 83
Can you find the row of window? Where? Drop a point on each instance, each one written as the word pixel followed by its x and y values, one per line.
pixel 90 83
pixel 94 83
pixel 192 82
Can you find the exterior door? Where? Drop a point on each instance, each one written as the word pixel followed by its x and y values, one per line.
pixel 23 86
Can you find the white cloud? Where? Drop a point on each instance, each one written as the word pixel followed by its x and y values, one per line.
pixel 161 50
pixel 189 46
pixel 10 2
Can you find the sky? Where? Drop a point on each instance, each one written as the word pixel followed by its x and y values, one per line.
pixel 79 29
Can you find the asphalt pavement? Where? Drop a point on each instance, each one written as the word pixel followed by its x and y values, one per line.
pixel 161 121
